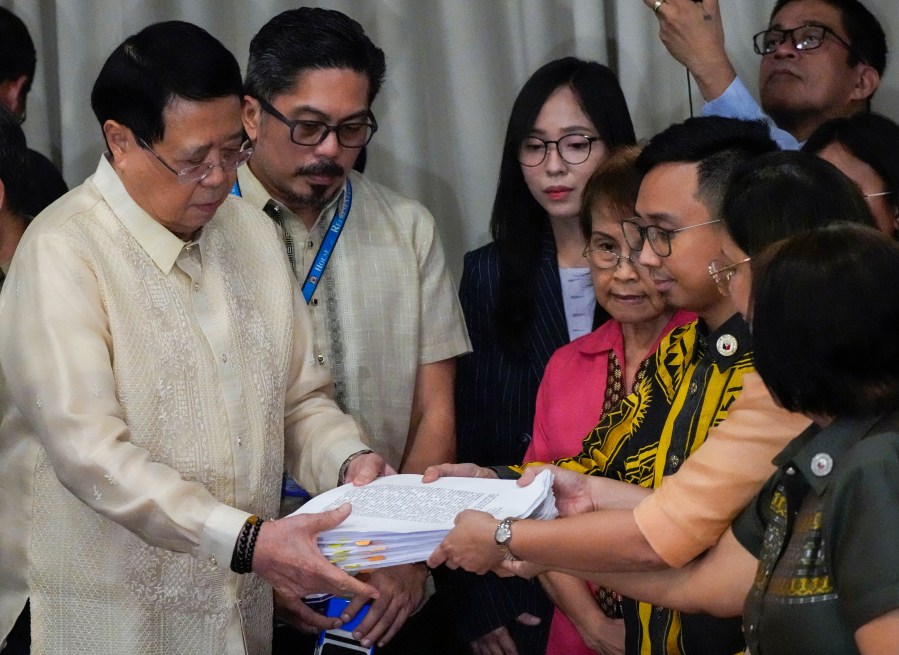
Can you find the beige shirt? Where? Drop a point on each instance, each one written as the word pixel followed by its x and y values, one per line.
pixel 693 507
pixel 386 303
pixel 155 391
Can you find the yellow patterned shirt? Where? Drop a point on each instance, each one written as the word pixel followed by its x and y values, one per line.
pixel 688 388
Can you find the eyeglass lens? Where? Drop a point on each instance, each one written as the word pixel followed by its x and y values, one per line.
pixel 572 148
pixel 659 239
pixel 230 162
pixel 804 37
pixel 349 135
pixel 605 257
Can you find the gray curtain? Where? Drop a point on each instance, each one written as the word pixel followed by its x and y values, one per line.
pixel 453 69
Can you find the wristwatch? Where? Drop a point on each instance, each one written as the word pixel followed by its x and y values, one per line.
pixel 503 535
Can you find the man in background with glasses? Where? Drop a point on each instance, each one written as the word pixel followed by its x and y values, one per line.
pixel 387 319
pixel 820 59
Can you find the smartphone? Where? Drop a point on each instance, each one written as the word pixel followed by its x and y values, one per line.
pixel 339 641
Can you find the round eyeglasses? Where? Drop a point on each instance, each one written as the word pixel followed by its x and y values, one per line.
pixel 352 134
pixel 605 256
pixel 572 148
pixel 231 160
pixel 659 239
pixel 804 37
pixel 723 273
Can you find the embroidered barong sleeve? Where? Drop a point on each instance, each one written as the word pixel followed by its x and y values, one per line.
pixel 442 331
pixel 318 437
pixel 693 507
pixel 59 351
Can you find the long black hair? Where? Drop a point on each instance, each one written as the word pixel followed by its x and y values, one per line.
pixel 518 222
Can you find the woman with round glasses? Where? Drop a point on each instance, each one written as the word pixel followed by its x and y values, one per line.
pixel 589 376
pixel 865 147
pixel 529 292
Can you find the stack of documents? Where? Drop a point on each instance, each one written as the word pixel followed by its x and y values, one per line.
pixel 400 520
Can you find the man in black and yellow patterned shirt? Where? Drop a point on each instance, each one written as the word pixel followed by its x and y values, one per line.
pixel 697 372
pixel 695 375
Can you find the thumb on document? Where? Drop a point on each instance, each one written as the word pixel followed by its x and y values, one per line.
pixel 330 519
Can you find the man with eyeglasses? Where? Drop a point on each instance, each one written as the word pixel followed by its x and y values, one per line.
pixel 387 320
pixel 820 59
pixel 692 381
pixel 158 379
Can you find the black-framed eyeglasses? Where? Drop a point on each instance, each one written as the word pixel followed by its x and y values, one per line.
pixel 352 134
pixel 804 37
pixel 659 239
pixel 605 256
pixel 723 273
pixel 230 161
pixel 572 148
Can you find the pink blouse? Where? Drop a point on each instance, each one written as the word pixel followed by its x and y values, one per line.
pixel 569 405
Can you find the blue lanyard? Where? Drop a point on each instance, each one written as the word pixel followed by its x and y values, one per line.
pixel 327 247
pixel 330 240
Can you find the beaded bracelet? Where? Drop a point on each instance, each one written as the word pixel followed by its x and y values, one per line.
pixel 242 558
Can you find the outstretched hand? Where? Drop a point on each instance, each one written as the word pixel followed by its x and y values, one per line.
pixel 457 471
pixel 572 490
pixel 402 590
pixel 470 545
pixel 367 467
pixel 287 556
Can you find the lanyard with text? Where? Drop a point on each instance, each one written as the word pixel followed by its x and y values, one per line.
pixel 330 240
pixel 327 247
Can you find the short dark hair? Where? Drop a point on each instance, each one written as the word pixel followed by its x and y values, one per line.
pixel 310 38
pixel 863 30
pixel 615 184
pixel 518 223
pixel 718 145
pixel 824 321
pixel 17 54
pixel 13 163
pixel 164 61
pixel 779 194
pixel 872 138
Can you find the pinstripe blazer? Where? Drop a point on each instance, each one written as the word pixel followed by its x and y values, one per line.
pixel 496 391
pixel 496 394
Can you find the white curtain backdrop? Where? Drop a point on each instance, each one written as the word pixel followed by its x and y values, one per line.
pixel 453 70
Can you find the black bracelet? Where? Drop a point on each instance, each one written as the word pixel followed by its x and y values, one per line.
pixel 242 557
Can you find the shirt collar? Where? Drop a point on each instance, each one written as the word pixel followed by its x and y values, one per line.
pixel 252 190
pixel 157 241
pixel 815 451
pixel 727 345
pixel 602 340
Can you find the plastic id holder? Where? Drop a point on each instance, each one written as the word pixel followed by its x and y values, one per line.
pixel 339 641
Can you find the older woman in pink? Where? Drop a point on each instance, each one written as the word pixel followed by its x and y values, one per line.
pixel 589 376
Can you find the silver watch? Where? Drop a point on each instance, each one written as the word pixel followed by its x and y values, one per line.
pixel 503 536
